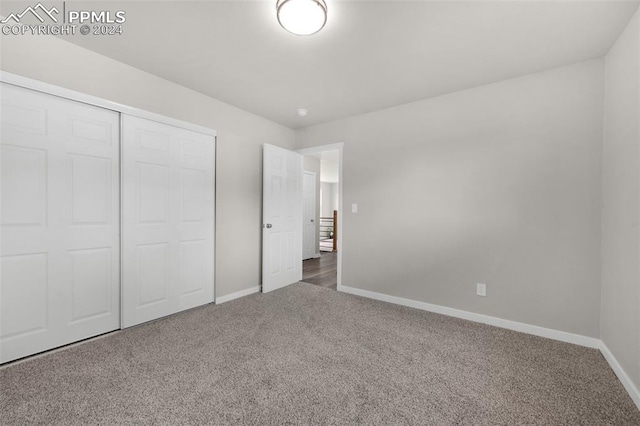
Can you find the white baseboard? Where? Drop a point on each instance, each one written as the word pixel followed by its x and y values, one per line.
pixel 237 294
pixel 549 333
pixel 631 388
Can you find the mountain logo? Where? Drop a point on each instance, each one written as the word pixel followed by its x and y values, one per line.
pixel 38 11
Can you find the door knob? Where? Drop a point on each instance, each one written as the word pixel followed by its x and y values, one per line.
pixel 311 220
pixel 268 225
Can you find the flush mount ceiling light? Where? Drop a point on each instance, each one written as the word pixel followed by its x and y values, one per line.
pixel 302 17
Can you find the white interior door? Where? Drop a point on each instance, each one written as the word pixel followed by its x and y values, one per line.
pixel 282 218
pixel 168 219
pixel 59 222
pixel 309 244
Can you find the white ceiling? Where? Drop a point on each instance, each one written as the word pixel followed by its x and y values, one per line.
pixel 370 55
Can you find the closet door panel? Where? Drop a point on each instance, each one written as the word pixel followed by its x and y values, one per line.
pixel 92 218
pixel 168 191
pixel 195 217
pixel 59 222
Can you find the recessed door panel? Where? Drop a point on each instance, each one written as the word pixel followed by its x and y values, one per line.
pixel 193 148
pixel 193 185
pixel 153 192
pixel 153 274
pixel 168 244
pixel 91 130
pixel 91 186
pixel 275 194
pixel 24 118
pixel 91 290
pixel 60 222
pixel 288 250
pixel 25 298
pixel 151 140
pixel 274 244
pixel 24 186
pixel 192 267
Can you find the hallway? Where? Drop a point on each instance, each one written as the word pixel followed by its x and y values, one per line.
pixel 322 271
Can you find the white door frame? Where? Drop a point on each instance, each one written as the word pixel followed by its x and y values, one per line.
pixel 317 150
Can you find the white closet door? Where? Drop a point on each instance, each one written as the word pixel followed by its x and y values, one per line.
pixel 168 219
pixel 59 222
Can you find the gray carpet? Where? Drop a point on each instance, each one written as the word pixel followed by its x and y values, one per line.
pixel 308 355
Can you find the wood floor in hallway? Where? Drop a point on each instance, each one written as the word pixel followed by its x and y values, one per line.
pixel 322 271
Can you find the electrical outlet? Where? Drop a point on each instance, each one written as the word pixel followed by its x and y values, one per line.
pixel 354 208
pixel 481 289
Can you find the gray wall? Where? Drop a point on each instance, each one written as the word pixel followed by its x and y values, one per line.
pixel 240 138
pixel 499 185
pixel 620 322
pixel 330 193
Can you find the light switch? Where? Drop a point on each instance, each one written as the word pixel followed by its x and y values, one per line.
pixel 354 208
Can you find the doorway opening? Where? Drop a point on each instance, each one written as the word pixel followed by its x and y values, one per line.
pixel 322 216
